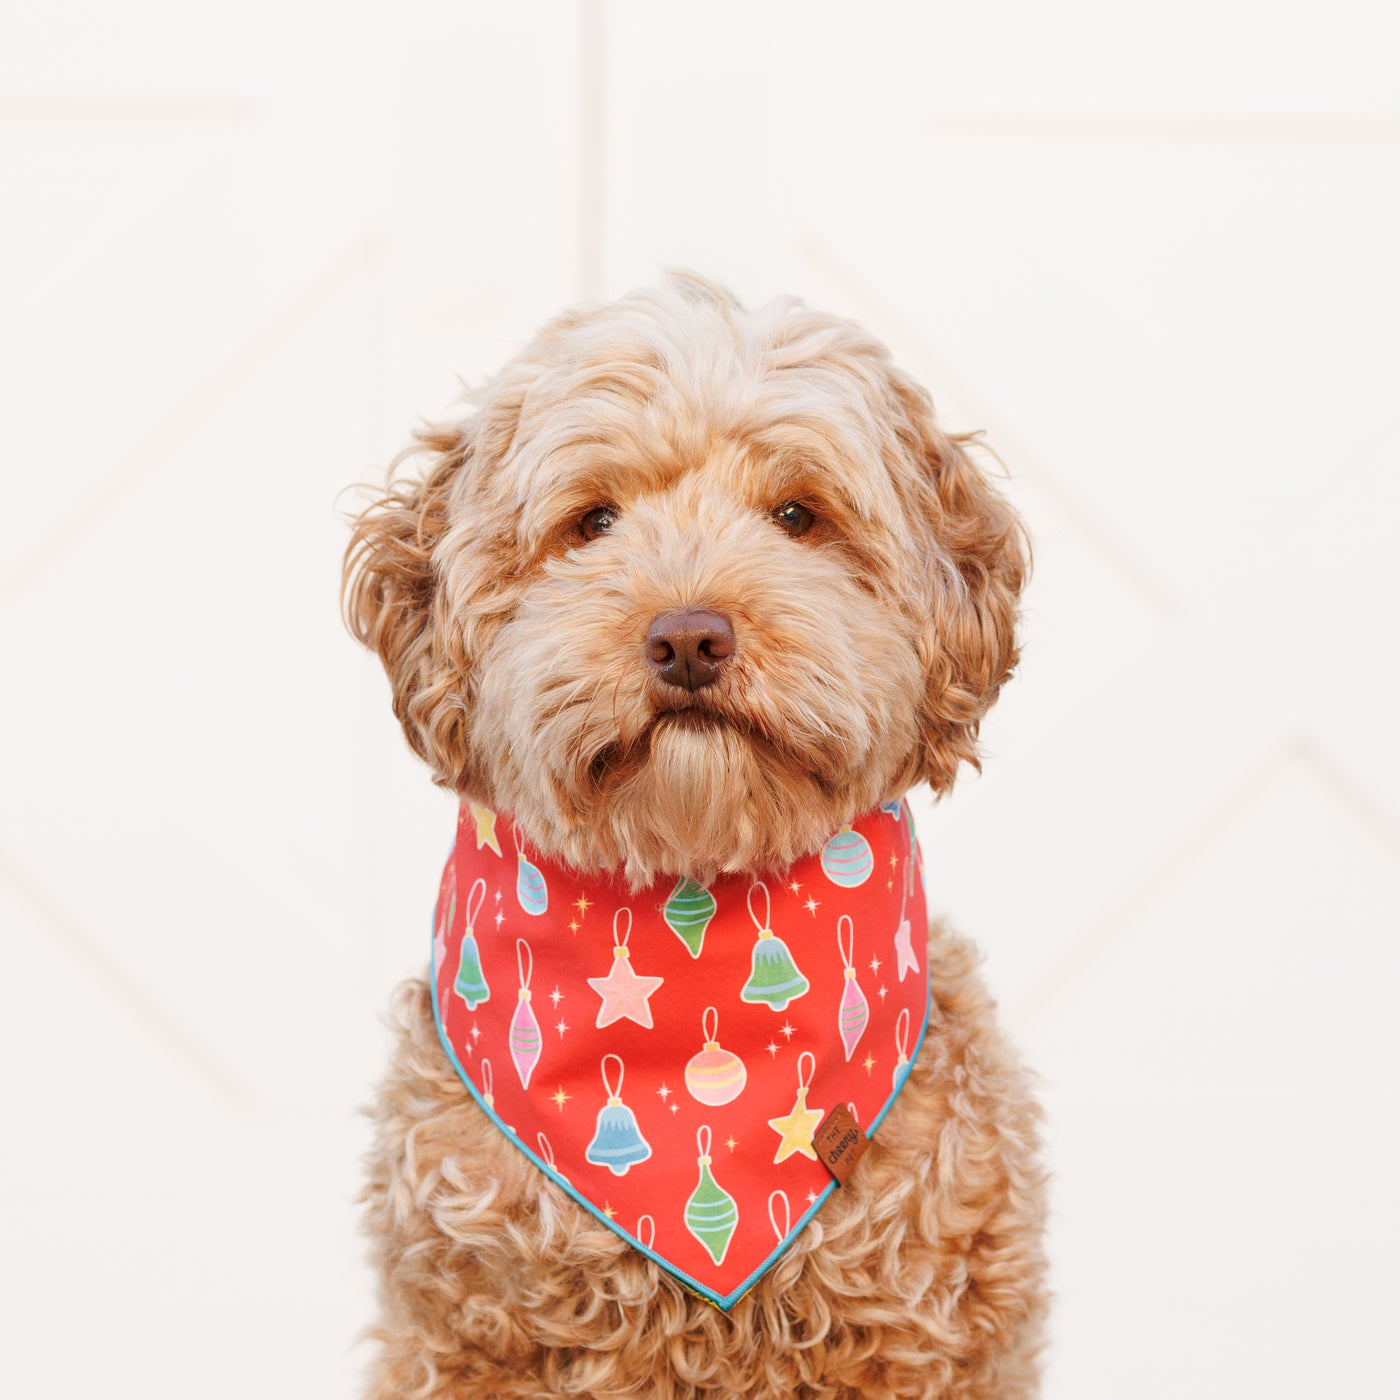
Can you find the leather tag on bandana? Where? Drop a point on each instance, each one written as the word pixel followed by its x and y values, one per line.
pixel 840 1143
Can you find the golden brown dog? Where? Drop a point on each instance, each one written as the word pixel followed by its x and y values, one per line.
pixel 666 454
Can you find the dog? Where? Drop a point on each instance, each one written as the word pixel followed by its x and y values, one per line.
pixel 680 593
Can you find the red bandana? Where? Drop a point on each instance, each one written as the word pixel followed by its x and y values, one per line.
pixel 665 1055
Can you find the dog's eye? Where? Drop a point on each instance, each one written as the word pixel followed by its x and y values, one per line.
pixel 598 522
pixel 794 518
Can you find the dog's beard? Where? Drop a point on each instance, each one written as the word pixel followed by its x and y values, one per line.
pixel 602 772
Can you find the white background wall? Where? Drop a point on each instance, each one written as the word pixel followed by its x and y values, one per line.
pixel 1152 252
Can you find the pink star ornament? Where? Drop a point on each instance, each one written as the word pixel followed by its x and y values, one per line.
pixel 625 994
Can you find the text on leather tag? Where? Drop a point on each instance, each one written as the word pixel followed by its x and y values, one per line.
pixel 840 1143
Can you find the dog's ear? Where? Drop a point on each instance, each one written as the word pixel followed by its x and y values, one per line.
pixel 393 603
pixel 977 560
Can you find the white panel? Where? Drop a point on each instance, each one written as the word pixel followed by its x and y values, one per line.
pixel 72 1040
pixel 222 1247
pixel 200 804
pixel 1089 54
pixel 1197 336
pixel 1221 1071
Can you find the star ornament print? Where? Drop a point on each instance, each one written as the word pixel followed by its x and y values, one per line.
pixel 665 1055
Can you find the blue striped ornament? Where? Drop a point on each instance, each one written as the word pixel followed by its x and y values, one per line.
pixel 846 859
pixel 530 888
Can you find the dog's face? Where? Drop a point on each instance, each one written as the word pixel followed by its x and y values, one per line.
pixel 692 588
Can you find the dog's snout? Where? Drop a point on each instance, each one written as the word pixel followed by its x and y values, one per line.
pixel 689 648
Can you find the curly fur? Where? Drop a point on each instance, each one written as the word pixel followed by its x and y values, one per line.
pixel 867 652
pixel 921 1278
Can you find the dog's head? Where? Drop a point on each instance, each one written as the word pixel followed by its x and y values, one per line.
pixel 692 586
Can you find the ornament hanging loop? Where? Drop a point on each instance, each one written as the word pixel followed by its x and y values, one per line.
pixel 621 1068
pixel 847 955
pixel 620 939
pixel 702 1141
pixel 646 1238
pixel 488 1079
pixel 546 1151
pixel 804 1081
pixel 474 903
pixel 766 926
pixel 901 1034
pixel 780 1231
pixel 525 965
pixel 709 1023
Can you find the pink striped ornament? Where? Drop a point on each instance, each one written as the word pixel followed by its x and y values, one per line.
pixel 525 1039
pixel 854 1015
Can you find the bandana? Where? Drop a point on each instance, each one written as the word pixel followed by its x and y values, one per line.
pixel 665 1055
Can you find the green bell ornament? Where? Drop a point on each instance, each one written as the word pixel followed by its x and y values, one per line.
pixel 471 982
pixel 773 975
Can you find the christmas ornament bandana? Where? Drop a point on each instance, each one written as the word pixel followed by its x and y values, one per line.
pixel 665 1055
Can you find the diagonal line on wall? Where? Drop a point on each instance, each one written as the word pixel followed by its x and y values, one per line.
pixel 1369 810
pixel 209 394
pixel 931 367
pixel 74 936
pixel 1101 931
pixel 1216 129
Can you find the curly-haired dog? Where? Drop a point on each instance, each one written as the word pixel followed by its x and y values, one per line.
pixel 686 591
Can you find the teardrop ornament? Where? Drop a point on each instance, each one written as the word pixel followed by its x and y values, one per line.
pixel 688 912
pixel 525 1040
pixel 711 1213
pixel 854 1014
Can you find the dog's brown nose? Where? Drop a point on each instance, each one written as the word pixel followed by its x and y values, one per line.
pixel 688 648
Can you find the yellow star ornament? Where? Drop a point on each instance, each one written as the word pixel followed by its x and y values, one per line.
pixel 485 827
pixel 797 1129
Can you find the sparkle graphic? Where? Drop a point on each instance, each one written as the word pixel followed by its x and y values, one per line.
pixel 476 1031
pixel 560 1097
pixel 884 991
pixel 889 884
pixel 772 1049
pixel 561 1027
pixel 730 1142
pixel 665 1092
pixel 608 1210
pixel 788 1029
pixel 675 1107
pixel 812 905
pixel 556 996
pixel 869 1063
pixel 811 1198
pixel 498 896
pixel 573 925
pixel 874 964
pixel 795 887
pixel 583 904
pixel 894 861
pixel 500 918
